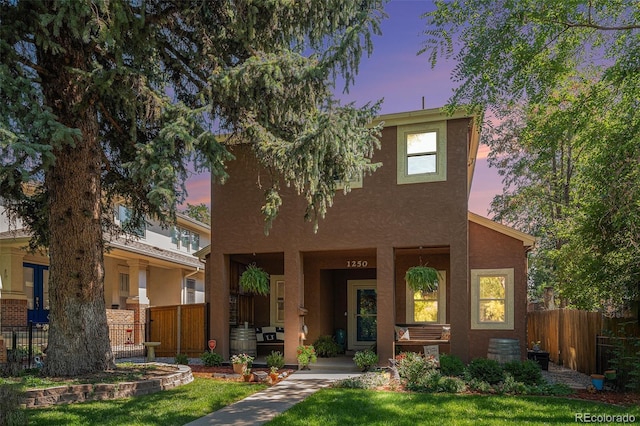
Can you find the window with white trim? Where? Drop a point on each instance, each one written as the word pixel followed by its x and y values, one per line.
pixel 428 307
pixel 422 152
pixel 191 290
pixel 184 239
pixel 123 288
pixel 123 217
pixel 277 300
pixel 492 299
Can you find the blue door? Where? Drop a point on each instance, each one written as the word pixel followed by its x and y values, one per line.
pixel 36 288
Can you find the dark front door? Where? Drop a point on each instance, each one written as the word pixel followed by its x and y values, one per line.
pixel 36 288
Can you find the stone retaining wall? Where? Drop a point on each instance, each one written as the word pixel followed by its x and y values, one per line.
pixel 39 398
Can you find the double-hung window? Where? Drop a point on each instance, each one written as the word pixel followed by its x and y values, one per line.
pixel 492 299
pixel 422 152
pixel 428 307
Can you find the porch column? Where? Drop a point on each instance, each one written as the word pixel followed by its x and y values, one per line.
pixel 385 277
pixel 217 296
pixel 293 300
pixel 138 301
pixel 459 303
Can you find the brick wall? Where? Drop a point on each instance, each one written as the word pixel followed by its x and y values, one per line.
pixel 13 313
pixel 3 352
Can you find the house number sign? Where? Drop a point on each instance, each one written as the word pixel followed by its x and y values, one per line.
pixel 357 263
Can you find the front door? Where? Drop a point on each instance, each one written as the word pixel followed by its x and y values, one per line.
pixel 36 288
pixel 362 315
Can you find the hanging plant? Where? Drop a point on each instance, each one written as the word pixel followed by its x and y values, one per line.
pixel 422 278
pixel 255 280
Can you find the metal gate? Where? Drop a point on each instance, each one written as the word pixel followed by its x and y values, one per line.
pixel 179 329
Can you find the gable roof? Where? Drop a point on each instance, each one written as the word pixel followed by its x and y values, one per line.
pixel 527 240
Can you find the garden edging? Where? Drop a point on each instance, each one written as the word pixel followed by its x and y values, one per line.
pixel 39 398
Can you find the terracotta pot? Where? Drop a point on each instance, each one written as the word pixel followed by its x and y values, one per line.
pixel 247 377
pixel 239 368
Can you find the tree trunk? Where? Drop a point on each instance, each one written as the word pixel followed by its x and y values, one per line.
pixel 78 333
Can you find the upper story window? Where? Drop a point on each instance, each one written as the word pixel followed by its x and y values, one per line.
pixel 185 239
pixel 422 152
pixel 123 216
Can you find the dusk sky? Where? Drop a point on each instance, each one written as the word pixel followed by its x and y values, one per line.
pixel 396 74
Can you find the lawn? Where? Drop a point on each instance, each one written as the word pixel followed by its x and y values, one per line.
pixel 172 407
pixel 364 407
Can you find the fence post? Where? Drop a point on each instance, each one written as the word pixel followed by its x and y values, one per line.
pixel 30 343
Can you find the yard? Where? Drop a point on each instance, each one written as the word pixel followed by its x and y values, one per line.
pixel 335 407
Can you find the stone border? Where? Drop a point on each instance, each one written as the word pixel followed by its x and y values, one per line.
pixel 39 398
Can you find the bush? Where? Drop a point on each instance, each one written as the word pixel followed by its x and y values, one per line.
pixel 451 385
pixel 10 412
pixel 211 359
pixel 451 365
pixel 428 382
pixel 182 359
pixel 326 347
pixel 412 366
pixel 513 387
pixel 365 359
pixel 364 381
pixel 527 372
pixel 485 370
pixel 275 359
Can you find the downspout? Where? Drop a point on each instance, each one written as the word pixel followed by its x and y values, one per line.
pixel 184 283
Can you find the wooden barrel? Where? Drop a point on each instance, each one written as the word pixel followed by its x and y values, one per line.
pixel 242 340
pixel 504 350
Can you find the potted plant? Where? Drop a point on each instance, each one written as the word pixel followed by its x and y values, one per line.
pixel 422 278
pixel 306 355
pixel 246 375
pixel 365 359
pixel 241 362
pixel 273 374
pixel 255 280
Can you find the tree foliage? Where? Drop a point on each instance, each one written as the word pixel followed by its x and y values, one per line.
pixel 199 212
pixel 110 100
pixel 560 81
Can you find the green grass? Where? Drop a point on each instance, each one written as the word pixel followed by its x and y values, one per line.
pixel 172 407
pixel 361 407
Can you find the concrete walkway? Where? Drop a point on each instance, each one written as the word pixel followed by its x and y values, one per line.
pixel 261 407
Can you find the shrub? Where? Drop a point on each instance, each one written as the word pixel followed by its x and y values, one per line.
pixel 479 386
pixel 485 370
pixel 211 359
pixel 511 386
pixel 451 365
pixel 371 380
pixel 182 359
pixel 428 382
pixel 452 385
pixel 365 359
pixel 527 372
pixel 275 359
pixel 10 412
pixel 412 366
pixel 326 347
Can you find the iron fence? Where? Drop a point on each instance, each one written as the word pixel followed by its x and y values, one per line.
pixel 126 339
pixel 27 344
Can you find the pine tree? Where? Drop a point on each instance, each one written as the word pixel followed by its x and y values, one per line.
pixel 111 100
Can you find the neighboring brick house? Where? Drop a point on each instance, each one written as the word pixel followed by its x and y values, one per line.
pixel 350 274
pixel 155 270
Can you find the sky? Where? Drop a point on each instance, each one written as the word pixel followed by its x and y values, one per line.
pixel 396 74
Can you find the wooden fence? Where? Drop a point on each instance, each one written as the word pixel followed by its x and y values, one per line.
pixel 570 336
pixel 179 329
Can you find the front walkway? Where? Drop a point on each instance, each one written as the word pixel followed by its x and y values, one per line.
pixel 261 407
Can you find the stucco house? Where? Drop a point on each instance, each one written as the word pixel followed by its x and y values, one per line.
pixel 350 274
pixel 154 269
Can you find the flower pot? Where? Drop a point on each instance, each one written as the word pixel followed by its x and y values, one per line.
pixel 239 368
pixel 610 374
pixel 247 377
pixel 598 381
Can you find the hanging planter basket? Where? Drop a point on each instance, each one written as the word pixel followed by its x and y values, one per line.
pixel 255 280
pixel 422 278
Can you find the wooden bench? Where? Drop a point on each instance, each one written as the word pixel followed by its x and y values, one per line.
pixel 270 342
pixel 421 335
